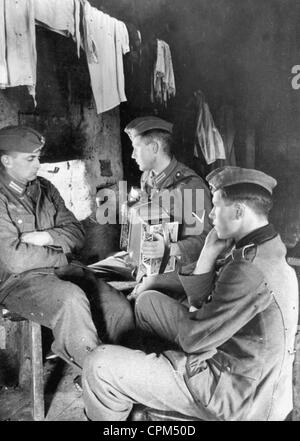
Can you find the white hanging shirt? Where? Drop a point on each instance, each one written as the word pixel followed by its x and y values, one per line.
pixel 106 41
pixel 62 16
pixel 17 44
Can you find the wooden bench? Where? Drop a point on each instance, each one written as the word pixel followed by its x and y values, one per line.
pixel 30 358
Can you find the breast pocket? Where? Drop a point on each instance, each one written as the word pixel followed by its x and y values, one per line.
pixel 46 218
pixel 24 222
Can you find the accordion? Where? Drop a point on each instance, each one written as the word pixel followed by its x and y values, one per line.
pixel 144 221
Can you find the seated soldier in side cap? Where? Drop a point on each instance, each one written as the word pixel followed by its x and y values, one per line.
pixel 37 236
pixel 234 345
pixel 174 187
pixel 151 141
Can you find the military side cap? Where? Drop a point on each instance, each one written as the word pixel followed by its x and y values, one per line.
pixel 228 175
pixel 20 139
pixel 145 123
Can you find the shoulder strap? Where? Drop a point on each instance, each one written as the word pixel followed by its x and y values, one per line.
pixel 166 255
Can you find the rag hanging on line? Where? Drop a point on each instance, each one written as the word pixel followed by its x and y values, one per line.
pixel 163 86
pixel 207 136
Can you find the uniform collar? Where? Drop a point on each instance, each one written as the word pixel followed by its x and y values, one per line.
pixel 257 236
pixel 15 186
pixel 162 176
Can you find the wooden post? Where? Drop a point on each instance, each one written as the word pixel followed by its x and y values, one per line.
pixel 31 374
pixel 37 378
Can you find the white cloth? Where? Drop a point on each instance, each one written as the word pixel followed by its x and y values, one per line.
pixel 225 122
pixel 139 35
pixel 122 47
pixel 208 137
pixel 62 16
pixel 164 79
pixel 3 65
pixel 106 40
pixel 18 37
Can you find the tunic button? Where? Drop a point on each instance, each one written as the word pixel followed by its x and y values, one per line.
pixel 228 368
pixel 20 221
pixel 209 299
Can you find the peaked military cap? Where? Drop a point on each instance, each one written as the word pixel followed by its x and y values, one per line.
pixel 229 175
pixel 20 139
pixel 145 123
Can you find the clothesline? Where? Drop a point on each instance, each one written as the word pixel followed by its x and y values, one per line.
pixel 104 39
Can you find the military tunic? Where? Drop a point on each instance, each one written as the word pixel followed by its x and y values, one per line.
pixel 230 360
pixel 35 207
pixel 240 340
pixel 38 283
pixel 190 194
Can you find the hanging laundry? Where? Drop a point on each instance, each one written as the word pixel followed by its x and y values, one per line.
pixel 122 47
pixel 225 122
pixel 60 16
pixel 207 137
pixel 18 66
pixel 88 30
pixel 164 80
pixel 106 41
pixel 3 65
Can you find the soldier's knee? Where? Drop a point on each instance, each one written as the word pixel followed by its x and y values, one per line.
pixel 146 300
pixel 73 295
pixel 98 362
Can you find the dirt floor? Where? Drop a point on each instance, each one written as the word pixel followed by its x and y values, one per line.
pixel 63 400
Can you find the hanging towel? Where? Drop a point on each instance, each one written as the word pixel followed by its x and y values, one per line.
pixel 106 40
pixel 164 80
pixel 207 137
pixel 60 16
pixel 18 37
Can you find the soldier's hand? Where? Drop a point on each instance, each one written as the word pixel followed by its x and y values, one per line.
pixel 154 249
pixel 212 249
pixel 213 245
pixel 137 290
pixel 38 238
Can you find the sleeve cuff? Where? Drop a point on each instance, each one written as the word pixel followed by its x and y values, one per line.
pixel 197 287
pixel 57 242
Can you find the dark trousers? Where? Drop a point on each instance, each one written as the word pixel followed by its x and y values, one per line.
pixel 115 378
pixel 81 310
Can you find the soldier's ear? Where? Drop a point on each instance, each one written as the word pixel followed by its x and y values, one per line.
pixel 5 161
pixel 240 210
pixel 155 146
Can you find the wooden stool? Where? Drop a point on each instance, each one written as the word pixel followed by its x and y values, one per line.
pixel 30 361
